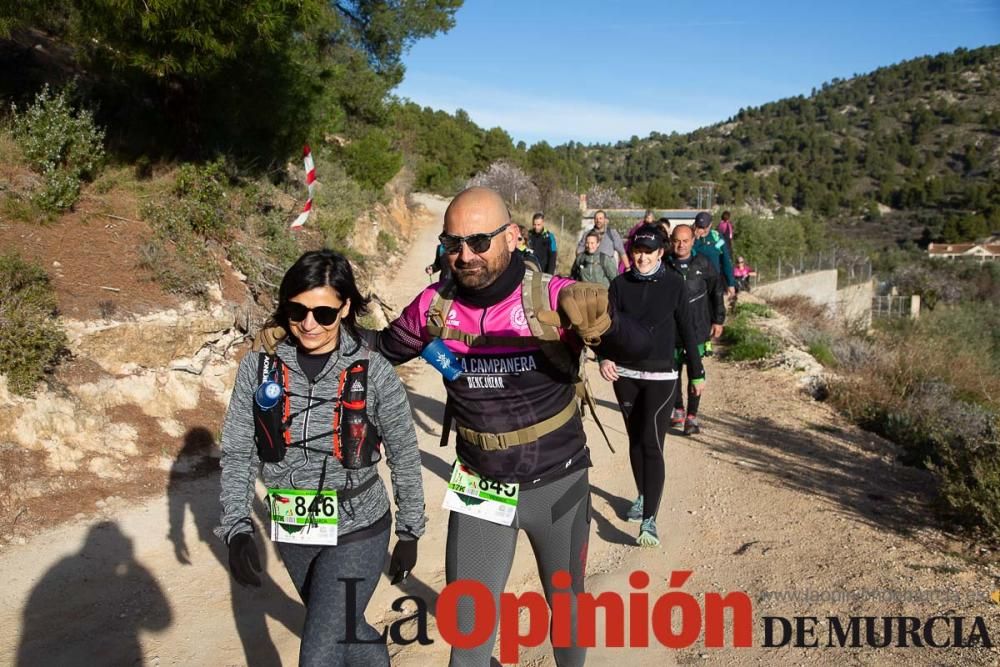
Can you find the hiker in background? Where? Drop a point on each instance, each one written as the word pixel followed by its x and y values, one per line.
pixel 645 386
pixel 525 251
pixel 648 218
pixel 542 243
pixel 710 243
pixel 728 232
pixel 440 263
pixel 593 266
pixel 743 272
pixel 707 312
pixel 665 225
pixel 611 240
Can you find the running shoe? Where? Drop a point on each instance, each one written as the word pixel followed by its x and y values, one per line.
pixel 647 533
pixel 691 426
pixel 634 514
pixel 677 417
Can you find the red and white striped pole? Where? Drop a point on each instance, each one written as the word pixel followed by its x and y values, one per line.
pixel 307 158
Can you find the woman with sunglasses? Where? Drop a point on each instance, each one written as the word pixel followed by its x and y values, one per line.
pixel 329 510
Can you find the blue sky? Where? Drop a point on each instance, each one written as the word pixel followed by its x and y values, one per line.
pixel 598 71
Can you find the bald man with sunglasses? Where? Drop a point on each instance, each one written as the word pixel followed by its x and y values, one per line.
pixel 518 335
pixel 514 407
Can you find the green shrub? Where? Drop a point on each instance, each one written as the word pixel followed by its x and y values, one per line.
pixel 386 241
pixel 60 191
pixel 968 464
pixel 956 440
pixel 264 262
pixel 371 160
pixel 62 144
pixel 201 190
pixel 20 209
pixel 338 204
pixel 745 342
pixel 823 353
pixel 181 267
pixel 757 309
pixel 937 398
pixel 176 257
pixel 31 338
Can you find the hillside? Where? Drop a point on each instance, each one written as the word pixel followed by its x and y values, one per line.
pixel 909 151
pixel 921 138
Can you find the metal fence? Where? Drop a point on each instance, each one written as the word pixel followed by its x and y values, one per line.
pixel 851 270
pixel 892 306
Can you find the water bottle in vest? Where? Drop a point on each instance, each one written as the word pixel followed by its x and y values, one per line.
pixel 268 418
pixel 359 440
pixel 437 354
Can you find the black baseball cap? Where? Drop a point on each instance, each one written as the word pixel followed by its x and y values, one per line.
pixel 648 236
pixel 703 220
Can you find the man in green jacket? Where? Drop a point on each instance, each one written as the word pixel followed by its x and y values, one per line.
pixel 710 243
pixel 594 266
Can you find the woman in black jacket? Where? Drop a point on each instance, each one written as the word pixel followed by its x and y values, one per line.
pixel 645 387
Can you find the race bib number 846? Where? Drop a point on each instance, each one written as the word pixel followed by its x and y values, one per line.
pixel 303 516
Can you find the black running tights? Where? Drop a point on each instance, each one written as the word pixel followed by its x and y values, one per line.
pixel 646 405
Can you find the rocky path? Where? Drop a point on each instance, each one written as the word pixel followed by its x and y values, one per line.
pixel 777 498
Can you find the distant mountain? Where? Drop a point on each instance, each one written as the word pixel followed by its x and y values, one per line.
pixel 915 146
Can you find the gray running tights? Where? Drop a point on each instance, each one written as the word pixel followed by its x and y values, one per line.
pixel 556 517
pixel 316 572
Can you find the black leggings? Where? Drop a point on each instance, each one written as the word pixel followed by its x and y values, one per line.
pixel 318 573
pixel 556 518
pixel 645 405
pixel 693 400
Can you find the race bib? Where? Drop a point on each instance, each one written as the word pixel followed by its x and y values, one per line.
pixel 469 493
pixel 303 516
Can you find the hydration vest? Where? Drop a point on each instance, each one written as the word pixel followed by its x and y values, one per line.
pixel 354 440
pixel 534 299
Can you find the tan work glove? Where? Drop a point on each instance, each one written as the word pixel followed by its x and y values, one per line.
pixel 582 307
pixel 267 338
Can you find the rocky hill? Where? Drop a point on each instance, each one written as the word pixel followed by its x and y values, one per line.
pixel 915 146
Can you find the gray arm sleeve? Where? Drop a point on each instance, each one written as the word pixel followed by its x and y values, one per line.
pixel 395 424
pixel 239 454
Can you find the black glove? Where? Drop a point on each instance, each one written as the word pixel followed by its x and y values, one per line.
pixel 404 557
pixel 244 562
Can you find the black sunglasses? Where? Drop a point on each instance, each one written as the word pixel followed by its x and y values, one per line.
pixel 478 243
pixel 324 315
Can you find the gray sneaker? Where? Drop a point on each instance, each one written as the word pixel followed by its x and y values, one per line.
pixel 634 514
pixel 647 533
pixel 691 426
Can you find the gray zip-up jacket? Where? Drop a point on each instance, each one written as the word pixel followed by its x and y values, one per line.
pixel 388 410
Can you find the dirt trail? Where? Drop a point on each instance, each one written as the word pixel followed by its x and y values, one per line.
pixel 776 495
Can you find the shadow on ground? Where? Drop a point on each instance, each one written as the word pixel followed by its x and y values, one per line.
pixel 89 608
pixel 838 465
pixel 606 530
pixel 251 607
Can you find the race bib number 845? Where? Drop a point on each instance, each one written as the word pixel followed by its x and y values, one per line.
pixel 469 493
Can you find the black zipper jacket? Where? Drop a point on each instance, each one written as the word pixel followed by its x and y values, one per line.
pixel 659 303
pixel 706 297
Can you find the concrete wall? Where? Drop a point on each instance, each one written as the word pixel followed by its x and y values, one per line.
pixel 820 286
pixel 854 303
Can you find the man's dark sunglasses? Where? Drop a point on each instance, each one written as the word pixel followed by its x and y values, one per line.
pixel 324 315
pixel 478 243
